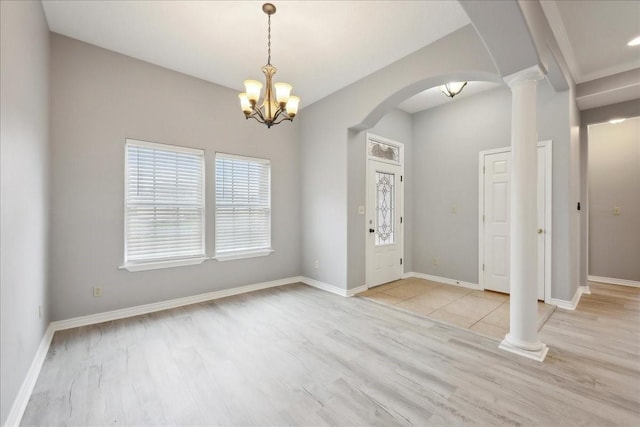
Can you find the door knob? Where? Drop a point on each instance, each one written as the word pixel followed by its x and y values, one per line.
pixel 371 230
pixel 540 230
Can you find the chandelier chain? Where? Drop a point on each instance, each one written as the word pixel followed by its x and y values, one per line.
pixel 269 42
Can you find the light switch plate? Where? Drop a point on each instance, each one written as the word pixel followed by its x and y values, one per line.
pixel 616 210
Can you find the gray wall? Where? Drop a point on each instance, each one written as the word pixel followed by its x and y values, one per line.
pixel 327 127
pixel 99 98
pixel 446 144
pixel 323 161
pixel 554 123
pixel 396 125
pixel 588 117
pixel 24 141
pixel 575 215
pixel 614 180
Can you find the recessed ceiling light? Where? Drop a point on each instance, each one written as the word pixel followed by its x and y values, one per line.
pixel 634 42
pixel 616 121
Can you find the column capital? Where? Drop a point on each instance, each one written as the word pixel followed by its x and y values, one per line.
pixel 528 74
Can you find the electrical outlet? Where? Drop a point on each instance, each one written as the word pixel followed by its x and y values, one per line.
pixel 436 261
pixel 97 292
pixel 316 264
pixel 360 210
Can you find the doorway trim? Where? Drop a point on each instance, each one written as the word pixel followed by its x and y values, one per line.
pixel 368 250
pixel 548 181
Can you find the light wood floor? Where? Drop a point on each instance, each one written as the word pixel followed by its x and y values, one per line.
pixel 295 355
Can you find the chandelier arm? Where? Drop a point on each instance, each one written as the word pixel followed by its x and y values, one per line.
pixel 277 114
pixel 285 117
pixel 257 119
pixel 257 114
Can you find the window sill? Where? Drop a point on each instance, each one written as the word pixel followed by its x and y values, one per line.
pixel 162 264
pixel 242 255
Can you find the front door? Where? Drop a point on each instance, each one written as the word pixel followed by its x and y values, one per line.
pixel 384 228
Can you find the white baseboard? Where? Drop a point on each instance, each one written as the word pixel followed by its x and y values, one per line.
pixel 569 305
pixel 353 291
pixel 613 281
pixel 444 280
pixel 165 305
pixel 24 394
pixel 332 288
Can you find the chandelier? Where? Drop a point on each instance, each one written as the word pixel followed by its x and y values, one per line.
pixel 271 111
pixel 452 89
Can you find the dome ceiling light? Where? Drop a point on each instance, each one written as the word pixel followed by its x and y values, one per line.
pixel 452 89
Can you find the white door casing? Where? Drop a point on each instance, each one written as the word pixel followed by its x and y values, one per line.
pixel 494 220
pixel 384 211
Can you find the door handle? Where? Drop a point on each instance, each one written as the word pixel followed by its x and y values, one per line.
pixel 540 230
pixel 371 230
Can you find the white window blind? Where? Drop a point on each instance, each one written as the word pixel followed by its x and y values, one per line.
pixel 243 205
pixel 164 202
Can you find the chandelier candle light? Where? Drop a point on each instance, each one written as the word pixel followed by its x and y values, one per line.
pixel 271 111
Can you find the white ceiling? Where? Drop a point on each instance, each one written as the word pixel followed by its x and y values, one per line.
pixel 318 46
pixel 593 35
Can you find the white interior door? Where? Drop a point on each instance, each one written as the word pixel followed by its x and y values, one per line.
pixel 384 222
pixel 495 226
pixel 542 207
pixel 497 170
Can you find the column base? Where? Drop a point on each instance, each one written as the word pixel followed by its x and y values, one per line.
pixel 538 354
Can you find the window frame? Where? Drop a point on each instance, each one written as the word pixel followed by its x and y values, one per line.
pixel 241 254
pixel 143 265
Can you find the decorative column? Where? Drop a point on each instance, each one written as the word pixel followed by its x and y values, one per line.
pixel 522 338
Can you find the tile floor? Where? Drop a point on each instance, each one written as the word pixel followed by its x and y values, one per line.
pixel 484 312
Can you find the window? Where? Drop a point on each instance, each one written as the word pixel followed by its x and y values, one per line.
pixel 164 205
pixel 243 207
pixel 385 215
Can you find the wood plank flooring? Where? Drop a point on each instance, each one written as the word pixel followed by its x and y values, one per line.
pixel 295 355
